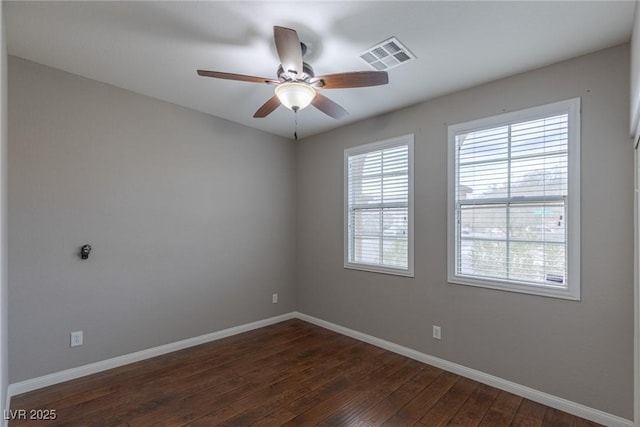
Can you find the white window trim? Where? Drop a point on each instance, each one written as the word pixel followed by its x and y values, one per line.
pixel 378 145
pixel 572 292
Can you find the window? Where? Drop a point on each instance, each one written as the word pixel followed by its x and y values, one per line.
pixel 514 200
pixel 378 204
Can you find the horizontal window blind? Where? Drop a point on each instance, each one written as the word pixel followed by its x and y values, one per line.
pixel 378 207
pixel 511 192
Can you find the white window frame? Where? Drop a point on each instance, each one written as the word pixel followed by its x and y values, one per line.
pixel 572 289
pixel 376 146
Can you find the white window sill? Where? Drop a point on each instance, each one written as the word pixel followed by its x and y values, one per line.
pixel 540 290
pixel 378 269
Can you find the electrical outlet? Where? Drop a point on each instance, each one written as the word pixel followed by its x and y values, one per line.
pixel 274 298
pixel 437 332
pixel 76 338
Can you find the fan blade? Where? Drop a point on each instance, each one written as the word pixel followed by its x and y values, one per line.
pixel 289 49
pixel 355 79
pixel 267 108
pixel 231 76
pixel 329 107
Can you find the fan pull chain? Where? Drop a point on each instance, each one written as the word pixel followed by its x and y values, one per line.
pixel 295 132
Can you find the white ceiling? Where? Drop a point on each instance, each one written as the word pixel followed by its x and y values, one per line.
pixel 154 48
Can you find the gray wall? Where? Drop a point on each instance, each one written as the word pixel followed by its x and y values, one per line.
pixel 191 219
pixel 581 351
pixel 635 132
pixel 4 365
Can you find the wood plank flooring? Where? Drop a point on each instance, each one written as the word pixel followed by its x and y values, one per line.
pixel 289 374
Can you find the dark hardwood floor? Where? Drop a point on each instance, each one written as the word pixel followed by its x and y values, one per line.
pixel 292 374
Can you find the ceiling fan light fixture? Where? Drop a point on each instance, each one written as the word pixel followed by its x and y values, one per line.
pixel 295 95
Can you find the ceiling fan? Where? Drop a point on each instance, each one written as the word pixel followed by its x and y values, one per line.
pixel 296 83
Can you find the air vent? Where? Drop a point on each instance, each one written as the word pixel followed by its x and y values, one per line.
pixel 387 54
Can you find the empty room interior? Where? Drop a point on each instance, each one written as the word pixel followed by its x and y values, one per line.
pixel 319 213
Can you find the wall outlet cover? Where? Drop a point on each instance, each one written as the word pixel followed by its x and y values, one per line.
pixel 77 338
pixel 437 332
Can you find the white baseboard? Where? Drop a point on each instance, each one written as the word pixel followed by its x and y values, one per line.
pixel 520 390
pixel 81 371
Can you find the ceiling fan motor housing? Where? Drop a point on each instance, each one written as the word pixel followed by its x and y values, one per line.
pixel 305 76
